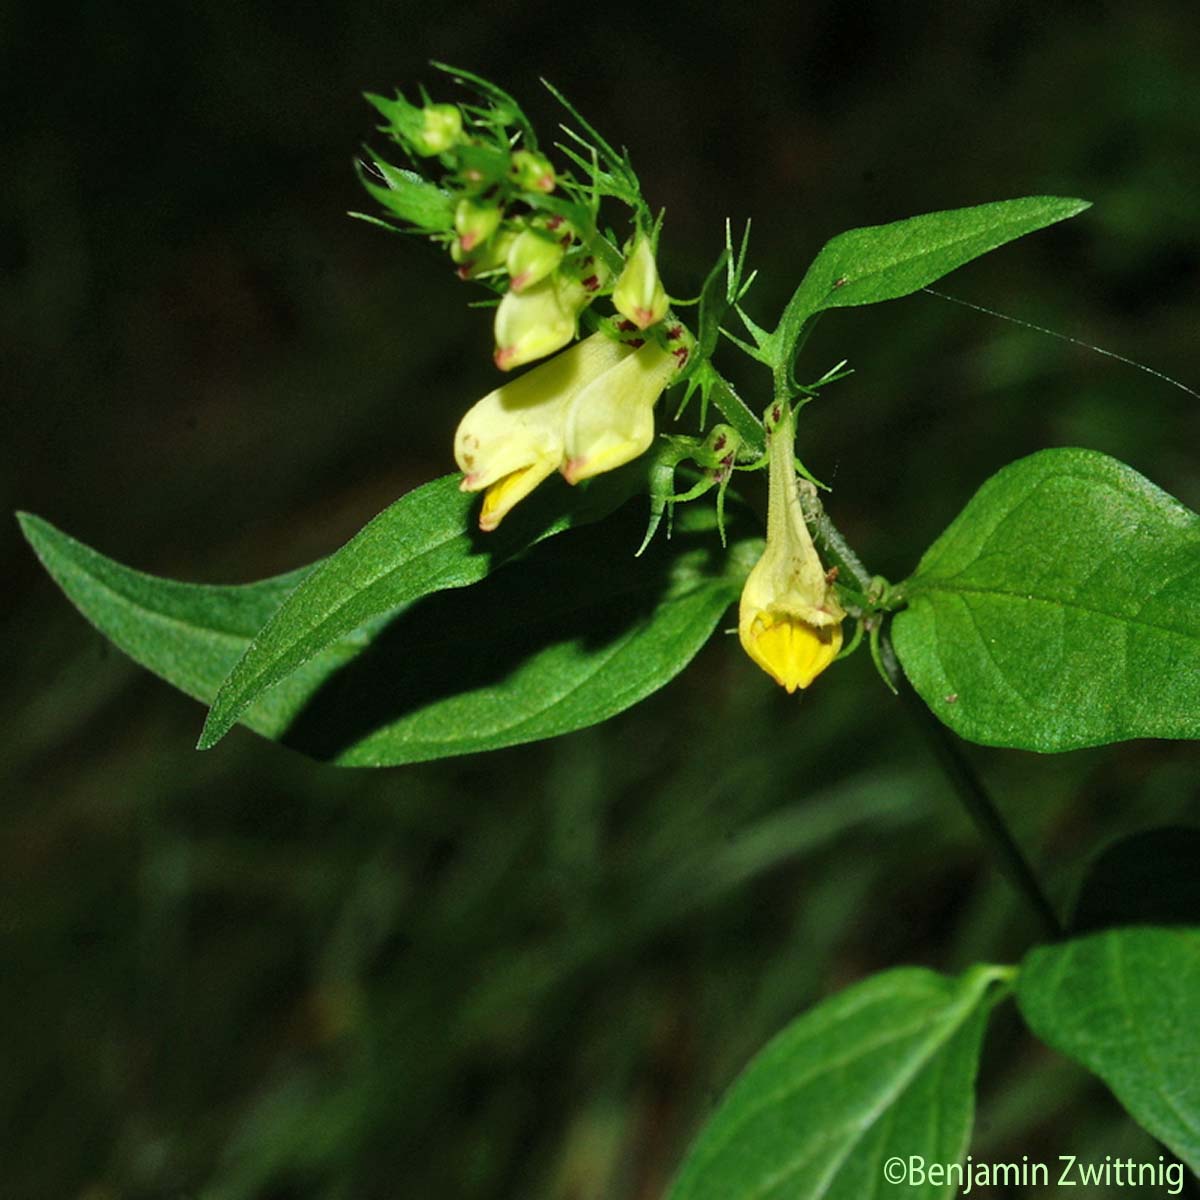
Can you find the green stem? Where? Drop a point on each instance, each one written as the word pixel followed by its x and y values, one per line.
pixel 735 410
pixel 946 749
pixel 966 783
pixel 973 796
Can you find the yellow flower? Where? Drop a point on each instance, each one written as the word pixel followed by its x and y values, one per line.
pixel 789 621
pixel 515 436
pixel 611 421
pixel 589 409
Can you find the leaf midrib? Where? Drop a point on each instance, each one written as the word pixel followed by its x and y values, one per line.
pixel 242 692
pixel 70 567
pixel 1024 596
pixel 925 253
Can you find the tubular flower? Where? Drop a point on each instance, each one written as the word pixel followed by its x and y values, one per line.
pixel 789 621
pixel 639 293
pixel 611 421
pixel 515 436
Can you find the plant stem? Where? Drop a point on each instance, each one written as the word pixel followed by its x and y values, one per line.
pixel 973 796
pixel 946 749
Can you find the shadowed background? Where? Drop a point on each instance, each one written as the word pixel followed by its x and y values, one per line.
pixel 530 972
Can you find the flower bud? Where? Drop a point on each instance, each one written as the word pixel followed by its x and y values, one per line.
pixel 532 255
pixel 789 619
pixel 481 166
pixel 441 128
pixel 537 321
pixel 639 293
pixel 491 256
pixel 531 172
pixel 475 222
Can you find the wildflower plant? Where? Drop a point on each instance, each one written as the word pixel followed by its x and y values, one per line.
pixel 1059 609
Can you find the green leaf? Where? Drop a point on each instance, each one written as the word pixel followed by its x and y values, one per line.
pixel 1125 1003
pixel 1060 609
pixel 884 262
pixel 188 634
pixel 574 634
pixel 414 200
pixel 422 543
pixel 882 1070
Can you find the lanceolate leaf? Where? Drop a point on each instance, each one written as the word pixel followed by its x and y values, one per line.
pixel 1123 1003
pixel 579 631
pixel 885 1069
pixel 422 543
pixel 1061 608
pixel 884 262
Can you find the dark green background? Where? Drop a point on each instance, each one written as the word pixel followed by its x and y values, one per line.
pixel 528 973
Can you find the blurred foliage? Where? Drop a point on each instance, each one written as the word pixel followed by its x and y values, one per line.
pixel 531 972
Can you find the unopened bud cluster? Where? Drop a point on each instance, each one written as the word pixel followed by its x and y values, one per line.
pixel 505 233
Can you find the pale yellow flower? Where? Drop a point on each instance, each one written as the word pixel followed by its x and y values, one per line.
pixel 515 436
pixel 789 620
pixel 611 421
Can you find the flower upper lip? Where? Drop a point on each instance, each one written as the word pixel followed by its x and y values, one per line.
pixel 587 410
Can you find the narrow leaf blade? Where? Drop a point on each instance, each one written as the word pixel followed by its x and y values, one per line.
pixel 1123 1003
pixel 884 1069
pixel 420 544
pixel 1060 609
pixel 885 262
pixel 517 657
pixel 186 633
